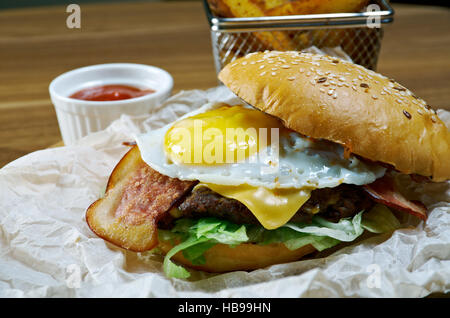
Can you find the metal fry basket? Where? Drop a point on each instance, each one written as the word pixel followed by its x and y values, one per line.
pixel 359 34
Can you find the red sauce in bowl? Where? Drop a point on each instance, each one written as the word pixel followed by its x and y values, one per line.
pixel 110 93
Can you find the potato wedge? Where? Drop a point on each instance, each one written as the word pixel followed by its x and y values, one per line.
pixel 269 4
pixel 276 40
pixel 284 40
pixel 219 8
pixel 298 7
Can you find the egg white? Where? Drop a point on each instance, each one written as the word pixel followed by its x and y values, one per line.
pixel 301 164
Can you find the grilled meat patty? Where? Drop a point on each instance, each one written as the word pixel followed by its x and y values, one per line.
pixel 331 203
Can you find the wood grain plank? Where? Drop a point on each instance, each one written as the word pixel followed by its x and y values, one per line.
pixel 416 52
pixel 36 46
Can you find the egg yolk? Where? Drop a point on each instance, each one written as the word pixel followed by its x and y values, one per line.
pixel 228 134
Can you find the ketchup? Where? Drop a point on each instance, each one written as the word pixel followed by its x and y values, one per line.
pixel 110 93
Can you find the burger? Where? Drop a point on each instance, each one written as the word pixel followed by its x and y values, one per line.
pixel 306 162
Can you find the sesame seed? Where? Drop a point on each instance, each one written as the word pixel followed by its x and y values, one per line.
pixel 312 81
pixel 252 62
pixel 285 66
pixel 274 73
pixel 261 67
pixel 301 70
pixel 398 101
pixel 335 61
pixel 354 88
pixel 433 119
pixel 330 92
pixel 322 80
pixel 294 62
pixel 322 89
pixel 262 74
pixel 342 79
pixel 308 74
pixel 274 69
pixel 364 85
pixel 335 95
pixel 291 78
pixel 360 77
pixel 374 97
pixel 244 63
pixel 408 115
pixel 383 93
pixel 420 112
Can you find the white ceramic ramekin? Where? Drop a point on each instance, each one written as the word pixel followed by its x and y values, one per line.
pixel 77 118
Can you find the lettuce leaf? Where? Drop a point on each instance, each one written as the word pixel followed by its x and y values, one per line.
pixel 197 236
pixel 173 270
pixel 345 230
pixel 291 238
pixel 201 235
pixel 320 243
pixel 380 220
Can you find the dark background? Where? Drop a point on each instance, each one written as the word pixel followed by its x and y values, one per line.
pixel 29 3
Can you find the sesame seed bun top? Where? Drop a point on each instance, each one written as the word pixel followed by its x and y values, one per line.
pixel 329 98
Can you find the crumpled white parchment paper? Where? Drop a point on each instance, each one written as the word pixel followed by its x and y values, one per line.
pixel 47 250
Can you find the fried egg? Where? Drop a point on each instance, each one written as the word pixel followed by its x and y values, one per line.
pixel 235 145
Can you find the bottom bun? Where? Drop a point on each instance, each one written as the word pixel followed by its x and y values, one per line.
pixel 224 258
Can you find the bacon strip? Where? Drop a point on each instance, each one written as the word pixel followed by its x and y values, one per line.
pixel 383 191
pixel 136 198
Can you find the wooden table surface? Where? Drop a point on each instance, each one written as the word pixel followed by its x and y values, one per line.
pixel 36 46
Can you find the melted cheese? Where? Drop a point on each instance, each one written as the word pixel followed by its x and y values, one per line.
pixel 272 207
